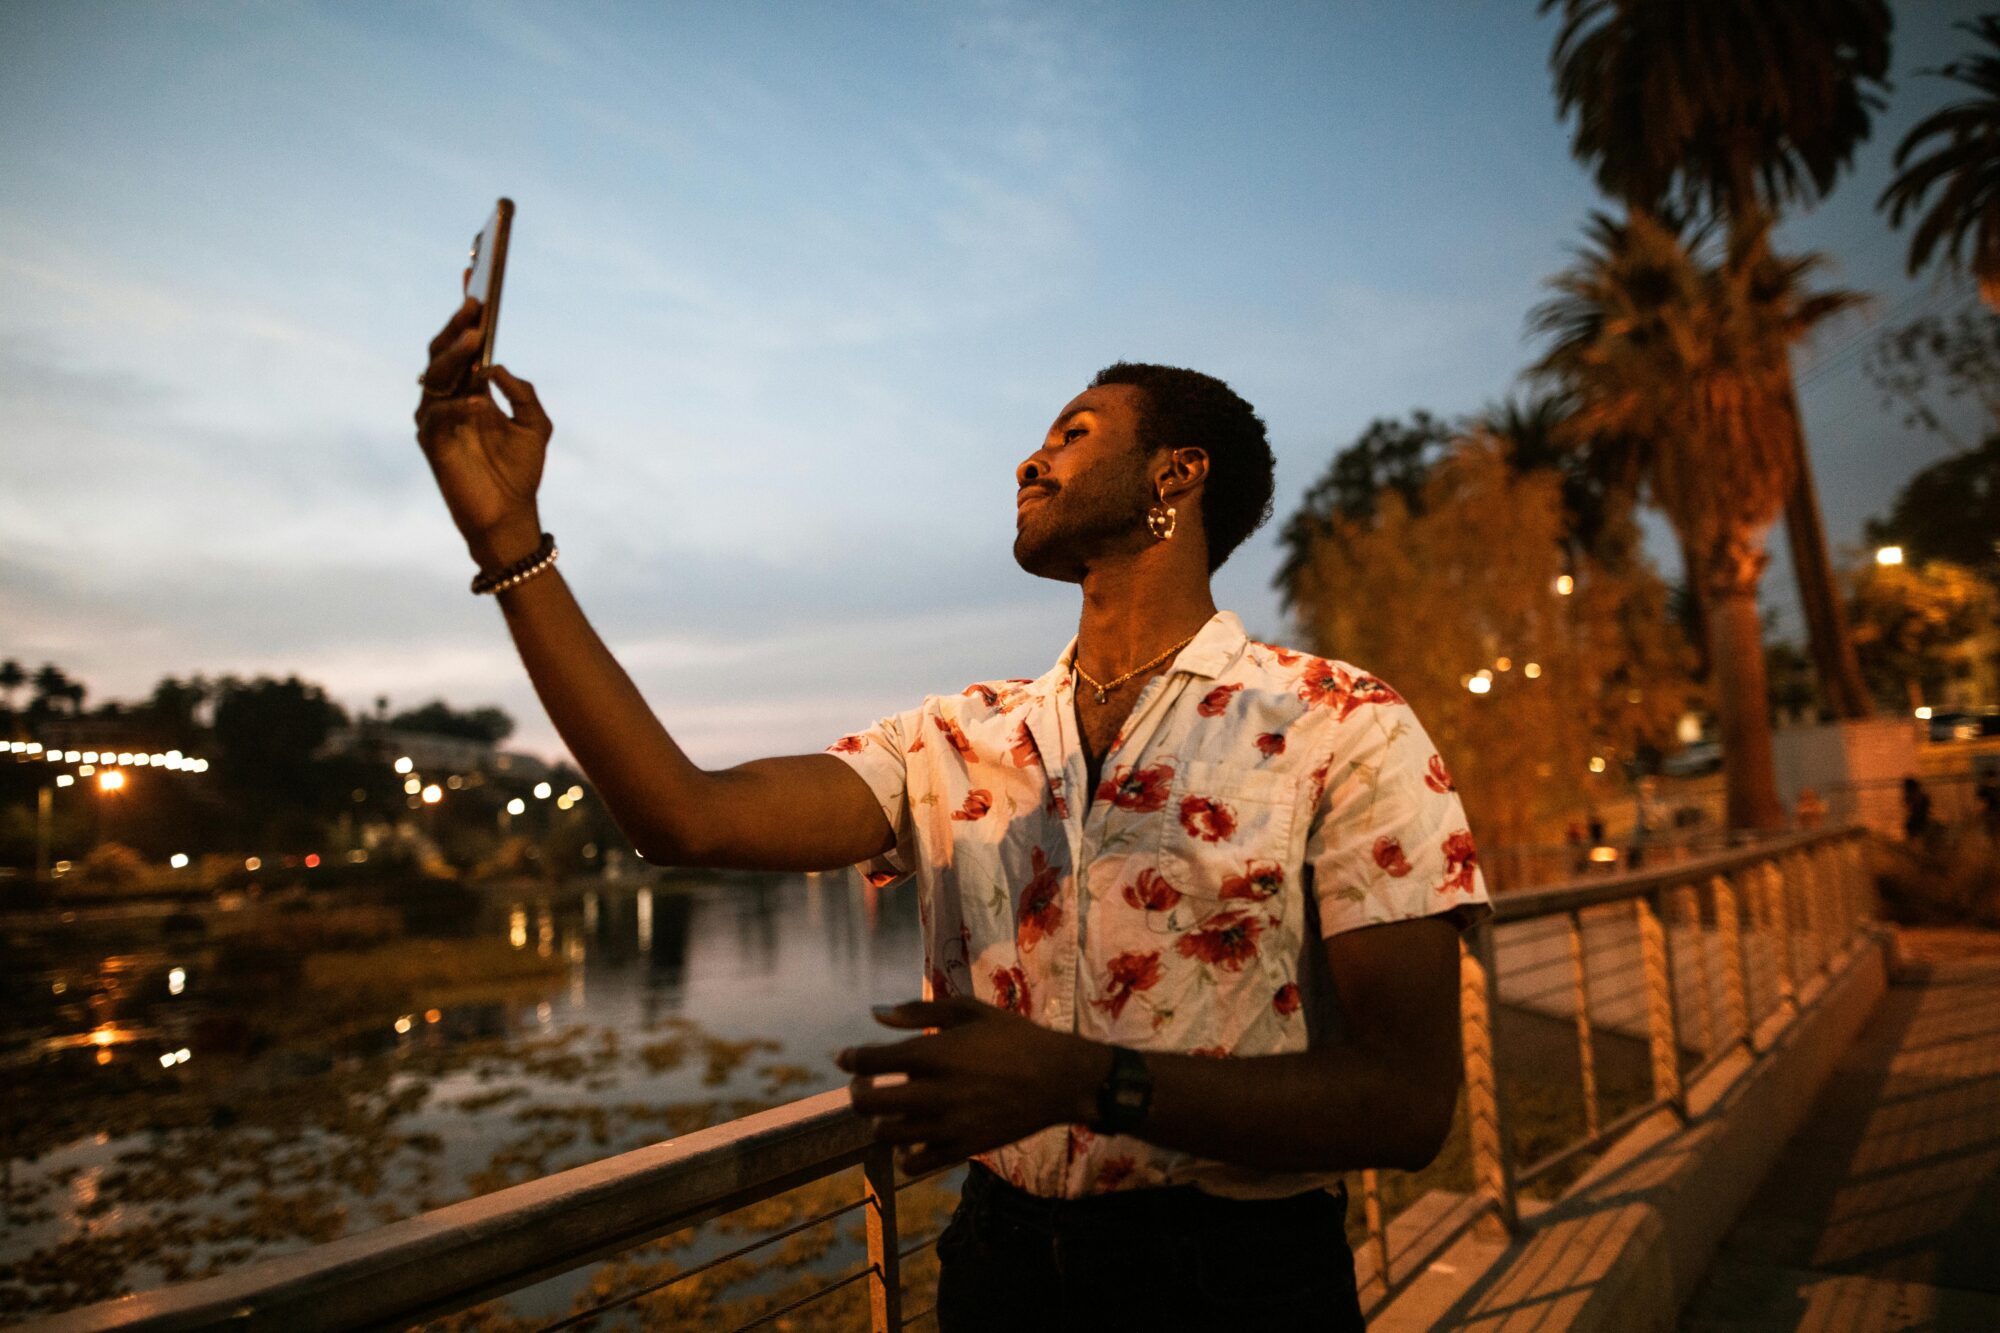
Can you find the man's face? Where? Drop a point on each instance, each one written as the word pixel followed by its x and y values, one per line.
pixel 1085 492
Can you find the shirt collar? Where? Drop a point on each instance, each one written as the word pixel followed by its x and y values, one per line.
pixel 1218 644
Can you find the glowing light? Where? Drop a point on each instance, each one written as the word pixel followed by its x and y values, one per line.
pixel 455 782
pixel 170 757
pixel 1924 713
pixel 405 764
pixel 516 806
pixel 1597 763
pixel 1603 855
pixel 64 779
pixel 357 856
pixel 253 863
pixel 85 770
pixel 517 928
pixel 1479 684
pixel 143 760
pixel 71 756
pixel 433 1015
pixel 60 987
pixel 542 790
pixel 1503 664
pixel 53 756
pixel 105 1035
pixel 183 1055
pixel 177 981
pixel 178 860
pixel 404 1024
pixel 312 860
pixel 1634 696
pixel 34 747
pixel 1888 555
pixel 1532 670
pixel 201 765
pixel 411 786
pixel 433 794
pixel 124 756
pixel 90 756
pixel 574 793
pixel 563 802
pixel 167 1060
pixel 110 779
pixel 104 1056
pixel 1565 585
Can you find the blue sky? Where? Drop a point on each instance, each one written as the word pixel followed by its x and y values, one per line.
pixel 799 284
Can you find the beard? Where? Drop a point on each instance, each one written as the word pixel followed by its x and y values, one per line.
pixel 1061 535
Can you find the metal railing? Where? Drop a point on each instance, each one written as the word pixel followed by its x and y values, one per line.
pixel 1720 944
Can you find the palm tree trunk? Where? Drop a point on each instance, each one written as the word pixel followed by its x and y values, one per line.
pixel 1826 618
pixel 1742 695
pixel 1697 597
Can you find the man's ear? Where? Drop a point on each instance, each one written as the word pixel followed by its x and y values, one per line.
pixel 1181 474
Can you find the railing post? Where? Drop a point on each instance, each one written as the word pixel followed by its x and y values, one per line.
pixel 1586 1048
pixel 1492 1155
pixel 1378 1233
pixel 1809 908
pixel 1661 1039
pixel 885 1278
pixel 1729 939
pixel 1781 932
pixel 1687 900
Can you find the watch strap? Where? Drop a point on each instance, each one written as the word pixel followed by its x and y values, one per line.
pixel 1126 1093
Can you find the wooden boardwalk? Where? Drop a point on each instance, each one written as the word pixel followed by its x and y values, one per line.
pixel 1884 1211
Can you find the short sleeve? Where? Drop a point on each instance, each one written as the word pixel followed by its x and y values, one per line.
pixel 878 755
pixel 1389 839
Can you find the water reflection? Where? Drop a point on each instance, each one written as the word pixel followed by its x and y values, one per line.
pixel 357 1066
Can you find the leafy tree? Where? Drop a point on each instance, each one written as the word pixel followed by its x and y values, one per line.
pixel 52 686
pixel 1959 356
pixel 1740 109
pixel 1950 511
pixel 12 678
pixel 268 734
pixel 437 718
pixel 1429 594
pixel 1908 617
pixel 1956 152
pixel 1390 456
pixel 1661 342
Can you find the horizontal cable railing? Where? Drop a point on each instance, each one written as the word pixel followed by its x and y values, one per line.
pixel 1667 969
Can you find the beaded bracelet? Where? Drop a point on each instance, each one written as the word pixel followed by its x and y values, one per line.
pixel 520 571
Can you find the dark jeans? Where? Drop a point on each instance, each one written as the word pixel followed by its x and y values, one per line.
pixel 1144 1260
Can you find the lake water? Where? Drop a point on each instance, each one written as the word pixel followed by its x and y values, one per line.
pixel 185 1095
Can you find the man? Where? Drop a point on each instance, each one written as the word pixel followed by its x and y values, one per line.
pixel 1190 903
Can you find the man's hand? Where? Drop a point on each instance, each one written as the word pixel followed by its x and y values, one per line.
pixel 488 465
pixel 986 1077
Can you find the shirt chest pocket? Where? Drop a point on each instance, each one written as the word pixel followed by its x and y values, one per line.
pixel 1233 838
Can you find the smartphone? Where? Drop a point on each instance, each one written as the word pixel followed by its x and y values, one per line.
pixel 483 278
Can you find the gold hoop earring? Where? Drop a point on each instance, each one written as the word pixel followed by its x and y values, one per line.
pixel 1160 521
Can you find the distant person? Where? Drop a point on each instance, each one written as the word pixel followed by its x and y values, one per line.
pixel 1916 810
pixel 1176 845
pixel 1809 809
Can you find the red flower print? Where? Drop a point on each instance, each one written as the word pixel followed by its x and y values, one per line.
pixel 916 744
pixel 1151 892
pixel 1283 656
pixel 1259 880
pixel 1211 821
pixel 954 735
pixel 977 802
pixel 1137 788
pixel 1216 700
pixel 846 745
pixel 879 878
pixel 1130 972
pixel 940 984
pixel 1389 855
pixel 1079 1140
pixel 984 693
pixel 1041 909
pixel 1114 1173
pixel 1437 779
pixel 1460 857
pixel 1286 1001
pixel 1010 989
pixel 1370 690
pixel 1227 939
pixel 1271 743
pixel 1324 683
pixel 1057 806
pixel 1023 750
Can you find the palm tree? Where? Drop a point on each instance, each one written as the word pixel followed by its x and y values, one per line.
pixel 50 685
pixel 1964 167
pixel 1739 108
pixel 1691 356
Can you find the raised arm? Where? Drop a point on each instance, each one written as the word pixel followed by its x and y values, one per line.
pixel 799 812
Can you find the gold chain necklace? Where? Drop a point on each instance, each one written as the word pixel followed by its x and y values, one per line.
pixel 1106 687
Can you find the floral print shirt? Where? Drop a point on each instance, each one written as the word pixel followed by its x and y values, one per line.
pixel 1256 800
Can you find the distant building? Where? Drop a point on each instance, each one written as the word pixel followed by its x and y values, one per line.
pixel 431 753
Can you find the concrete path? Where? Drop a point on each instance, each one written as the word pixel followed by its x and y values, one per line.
pixel 1884 1212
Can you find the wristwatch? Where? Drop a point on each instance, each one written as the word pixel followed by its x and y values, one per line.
pixel 1126 1093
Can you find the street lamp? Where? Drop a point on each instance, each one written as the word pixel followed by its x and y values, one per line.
pixel 1888 555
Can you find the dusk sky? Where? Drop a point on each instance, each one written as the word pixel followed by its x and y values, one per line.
pixel 799 284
